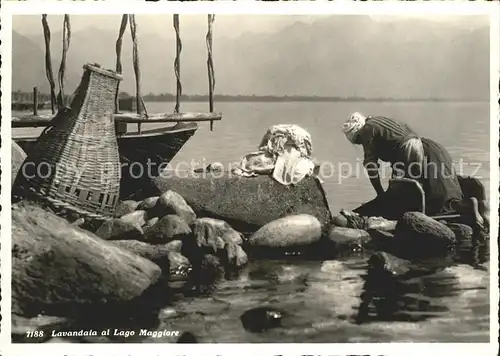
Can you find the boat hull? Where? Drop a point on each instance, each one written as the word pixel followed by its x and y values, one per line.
pixel 151 148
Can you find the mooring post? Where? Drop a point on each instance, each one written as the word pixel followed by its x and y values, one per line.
pixel 35 101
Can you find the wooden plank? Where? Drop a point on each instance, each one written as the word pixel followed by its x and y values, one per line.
pixel 43 120
pixel 168 117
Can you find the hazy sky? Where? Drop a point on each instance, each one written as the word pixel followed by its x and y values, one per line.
pixel 228 25
pixel 278 54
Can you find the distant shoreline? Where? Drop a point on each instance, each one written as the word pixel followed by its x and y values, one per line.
pixel 263 98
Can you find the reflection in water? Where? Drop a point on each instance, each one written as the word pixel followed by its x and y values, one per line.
pixel 395 289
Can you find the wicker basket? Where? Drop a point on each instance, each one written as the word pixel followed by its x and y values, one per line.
pixel 75 163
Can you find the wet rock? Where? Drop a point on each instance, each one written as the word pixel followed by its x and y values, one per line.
pixel 17 159
pixel 179 265
pixel 172 203
pixel 417 232
pixel 290 231
pixel 344 238
pixel 118 229
pixel 462 232
pixel 148 203
pixel 340 220
pixel 125 207
pixel 233 236
pixel 174 246
pixel 214 234
pixel 187 338
pixel 207 271
pixel 138 217
pixel 59 269
pixel 168 228
pixel 236 257
pixel 262 318
pixel 397 266
pixel 385 262
pixel 155 253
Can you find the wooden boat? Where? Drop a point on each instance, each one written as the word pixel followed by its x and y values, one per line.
pixel 152 148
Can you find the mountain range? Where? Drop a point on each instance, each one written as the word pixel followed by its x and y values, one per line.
pixel 342 56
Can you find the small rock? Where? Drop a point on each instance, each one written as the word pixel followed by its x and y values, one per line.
pixel 150 223
pixel 179 265
pixel 187 338
pixel 233 236
pixel 214 233
pixel 235 255
pixel 168 228
pixel 138 217
pixel 118 229
pixel 262 318
pixel 125 207
pixel 294 230
pixel 172 203
pixel 462 232
pixel 346 238
pixel 174 246
pixel 340 220
pixel 148 203
pixel 385 262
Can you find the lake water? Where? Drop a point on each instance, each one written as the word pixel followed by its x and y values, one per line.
pixel 322 299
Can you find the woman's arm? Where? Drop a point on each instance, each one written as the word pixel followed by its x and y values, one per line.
pixel 370 162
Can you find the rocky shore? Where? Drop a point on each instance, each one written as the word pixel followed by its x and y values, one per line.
pixel 66 271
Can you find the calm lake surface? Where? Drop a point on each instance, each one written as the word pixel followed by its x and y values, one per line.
pixel 322 299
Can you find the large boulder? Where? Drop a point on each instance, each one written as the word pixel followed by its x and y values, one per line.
pixel 171 202
pixel 168 228
pixel 290 231
pixel 418 233
pixel 59 269
pixel 17 159
pixel 247 204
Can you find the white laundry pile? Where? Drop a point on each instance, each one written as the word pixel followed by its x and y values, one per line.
pixel 285 152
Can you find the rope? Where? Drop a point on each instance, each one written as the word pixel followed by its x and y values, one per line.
pixel 48 63
pixel 137 70
pixel 119 43
pixel 62 68
pixel 177 62
pixel 210 66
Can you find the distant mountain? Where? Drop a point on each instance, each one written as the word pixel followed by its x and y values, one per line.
pixel 28 66
pixel 335 56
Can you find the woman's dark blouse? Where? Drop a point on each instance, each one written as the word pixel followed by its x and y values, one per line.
pixel 381 138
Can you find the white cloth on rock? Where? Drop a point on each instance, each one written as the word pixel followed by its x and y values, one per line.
pixel 285 152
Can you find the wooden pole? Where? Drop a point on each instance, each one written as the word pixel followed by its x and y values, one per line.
pixel 177 63
pixel 35 101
